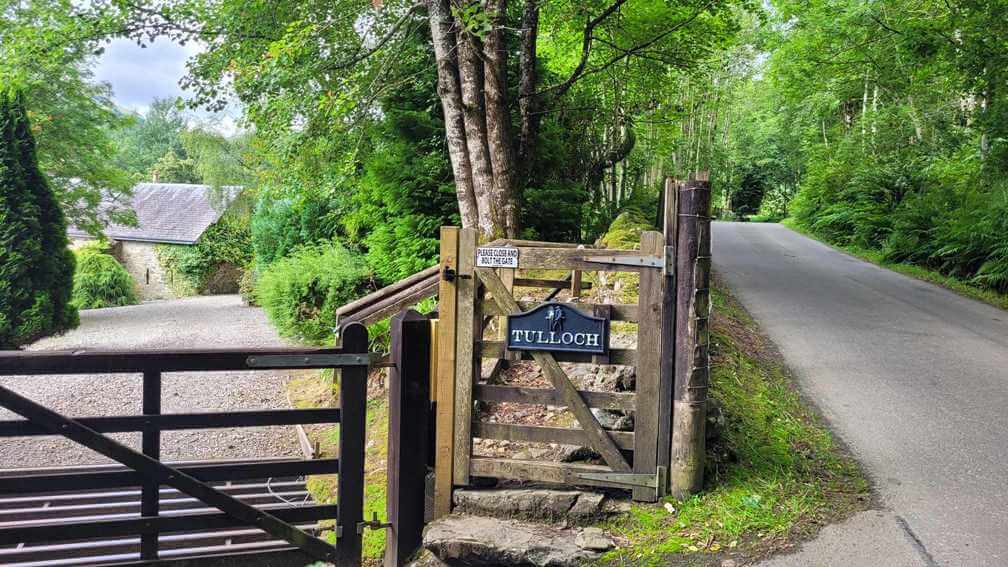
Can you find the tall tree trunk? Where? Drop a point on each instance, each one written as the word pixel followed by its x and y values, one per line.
pixel 471 80
pixel 527 81
pixel 443 38
pixel 498 121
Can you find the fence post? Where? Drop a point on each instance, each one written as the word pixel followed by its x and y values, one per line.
pixel 667 218
pixel 692 365
pixel 444 404
pixel 353 422
pixel 150 495
pixel 409 420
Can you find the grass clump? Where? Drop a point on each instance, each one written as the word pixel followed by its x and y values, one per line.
pixel 316 390
pixel 99 280
pixel 300 293
pixel 774 473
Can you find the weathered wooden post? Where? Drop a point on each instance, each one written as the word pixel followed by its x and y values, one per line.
pixel 409 420
pixel 445 397
pixel 666 381
pixel 693 260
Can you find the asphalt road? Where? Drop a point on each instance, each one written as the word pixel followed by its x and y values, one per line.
pixel 914 378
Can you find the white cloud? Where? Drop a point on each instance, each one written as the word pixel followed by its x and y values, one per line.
pixel 140 75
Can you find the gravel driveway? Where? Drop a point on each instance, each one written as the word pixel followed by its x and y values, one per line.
pixel 201 322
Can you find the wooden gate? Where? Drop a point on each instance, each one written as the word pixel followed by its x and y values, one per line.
pixel 470 296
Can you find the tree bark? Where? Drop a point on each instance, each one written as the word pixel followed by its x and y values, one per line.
pixel 498 121
pixel 471 80
pixel 528 78
pixel 443 39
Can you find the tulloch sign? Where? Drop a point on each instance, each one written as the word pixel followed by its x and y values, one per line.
pixel 558 327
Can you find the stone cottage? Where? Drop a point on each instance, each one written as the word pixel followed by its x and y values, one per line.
pixel 167 213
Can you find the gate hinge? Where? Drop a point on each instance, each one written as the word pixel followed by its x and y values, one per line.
pixel 374 524
pixel 670 257
pixel 656 481
pixel 639 261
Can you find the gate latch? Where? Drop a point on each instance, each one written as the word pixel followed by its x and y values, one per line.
pixel 373 524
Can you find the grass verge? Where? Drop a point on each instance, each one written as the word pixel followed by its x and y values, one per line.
pixel 316 390
pixel 876 257
pixel 775 475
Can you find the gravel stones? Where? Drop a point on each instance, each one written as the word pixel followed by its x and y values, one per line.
pixel 200 322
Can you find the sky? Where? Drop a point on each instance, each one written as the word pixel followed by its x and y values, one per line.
pixel 140 75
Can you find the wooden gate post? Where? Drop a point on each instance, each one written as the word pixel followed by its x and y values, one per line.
pixel 666 380
pixel 409 419
pixel 692 366
pixel 444 404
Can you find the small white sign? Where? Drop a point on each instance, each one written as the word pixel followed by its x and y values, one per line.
pixel 492 257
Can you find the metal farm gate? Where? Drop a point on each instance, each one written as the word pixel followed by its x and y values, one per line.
pixel 221 505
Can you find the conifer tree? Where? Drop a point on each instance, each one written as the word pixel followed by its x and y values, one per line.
pixel 36 265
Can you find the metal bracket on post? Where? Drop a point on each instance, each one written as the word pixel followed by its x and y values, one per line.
pixel 668 269
pixel 656 481
pixel 639 261
pixel 374 523
pixel 307 360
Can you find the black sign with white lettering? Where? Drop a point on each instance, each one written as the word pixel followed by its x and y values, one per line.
pixel 558 327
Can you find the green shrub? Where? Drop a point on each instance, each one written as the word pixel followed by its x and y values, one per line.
pixel 300 293
pixel 282 224
pixel 36 265
pixel 247 285
pixel 213 264
pixel 100 281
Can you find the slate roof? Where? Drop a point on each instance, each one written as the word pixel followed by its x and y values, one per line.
pixel 171 213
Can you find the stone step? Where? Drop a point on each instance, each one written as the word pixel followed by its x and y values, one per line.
pixel 478 541
pixel 538 504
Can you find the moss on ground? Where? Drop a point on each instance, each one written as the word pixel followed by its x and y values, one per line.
pixel 774 478
pixel 876 257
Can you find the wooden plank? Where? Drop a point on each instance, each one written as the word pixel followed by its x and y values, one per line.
pixel 434 335
pixel 386 291
pixel 445 398
pixel 496 349
pixel 549 284
pixel 539 243
pixel 395 303
pixel 648 367
pixel 599 439
pixel 575 285
pixel 508 277
pixel 602 311
pixel 607 400
pixel 573 259
pixel 467 369
pixel 409 418
pixel 619 311
pixel 540 434
pixel 666 370
pixel 538 471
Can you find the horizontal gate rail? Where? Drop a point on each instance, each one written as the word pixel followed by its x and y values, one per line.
pixel 46 531
pixel 144 469
pixel 178 421
pixel 185 360
pixel 126 478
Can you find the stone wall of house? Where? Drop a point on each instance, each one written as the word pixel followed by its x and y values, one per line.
pixel 140 260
